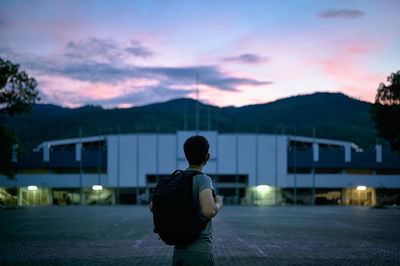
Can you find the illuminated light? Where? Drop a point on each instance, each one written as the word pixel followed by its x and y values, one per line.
pixel 361 188
pixel 97 187
pixel 262 188
pixel 33 188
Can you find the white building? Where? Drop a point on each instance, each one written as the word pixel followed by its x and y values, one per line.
pixel 249 169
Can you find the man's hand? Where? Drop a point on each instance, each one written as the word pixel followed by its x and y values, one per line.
pixel 218 201
pixel 151 206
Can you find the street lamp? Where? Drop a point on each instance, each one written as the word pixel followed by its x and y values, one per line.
pixel 97 187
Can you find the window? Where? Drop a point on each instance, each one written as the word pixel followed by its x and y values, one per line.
pixel 229 178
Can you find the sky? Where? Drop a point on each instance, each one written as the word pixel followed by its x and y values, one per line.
pixel 132 53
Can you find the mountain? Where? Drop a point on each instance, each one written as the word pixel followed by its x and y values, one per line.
pixel 333 115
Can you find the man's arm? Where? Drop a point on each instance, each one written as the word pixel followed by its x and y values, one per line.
pixel 151 206
pixel 208 204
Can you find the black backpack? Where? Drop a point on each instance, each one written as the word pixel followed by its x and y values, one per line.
pixel 176 215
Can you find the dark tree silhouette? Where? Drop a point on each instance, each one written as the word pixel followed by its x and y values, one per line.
pixel 17 95
pixel 386 111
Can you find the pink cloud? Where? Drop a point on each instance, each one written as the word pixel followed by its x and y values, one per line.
pixel 125 105
pixel 348 66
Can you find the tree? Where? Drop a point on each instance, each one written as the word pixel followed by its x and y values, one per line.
pixel 17 95
pixel 386 111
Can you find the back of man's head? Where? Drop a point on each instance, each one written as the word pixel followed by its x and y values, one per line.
pixel 196 149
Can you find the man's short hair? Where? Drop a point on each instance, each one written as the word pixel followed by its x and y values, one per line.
pixel 196 149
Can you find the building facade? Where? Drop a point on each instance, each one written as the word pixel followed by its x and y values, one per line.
pixel 247 169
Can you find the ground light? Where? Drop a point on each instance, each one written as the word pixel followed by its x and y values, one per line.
pixel 361 188
pixel 33 188
pixel 262 188
pixel 97 187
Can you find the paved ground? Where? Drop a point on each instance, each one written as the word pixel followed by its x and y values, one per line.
pixel 122 235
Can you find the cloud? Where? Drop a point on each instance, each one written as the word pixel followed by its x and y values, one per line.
pixel 111 73
pixel 232 83
pixel 247 58
pixel 145 95
pixel 342 13
pixel 93 48
pixel 138 50
pixel 95 72
pixel 346 65
pixel 208 75
pixel 135 96
pixel 92 71
pixel 104 50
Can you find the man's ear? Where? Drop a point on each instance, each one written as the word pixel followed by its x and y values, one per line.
pixel 207 158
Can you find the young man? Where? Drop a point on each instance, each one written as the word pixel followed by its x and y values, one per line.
pixel 200 252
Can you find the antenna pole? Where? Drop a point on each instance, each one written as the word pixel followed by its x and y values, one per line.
pixel 197 104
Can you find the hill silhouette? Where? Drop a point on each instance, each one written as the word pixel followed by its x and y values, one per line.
pixel 333 115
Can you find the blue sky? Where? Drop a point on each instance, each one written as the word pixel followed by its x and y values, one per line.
pixel 130 53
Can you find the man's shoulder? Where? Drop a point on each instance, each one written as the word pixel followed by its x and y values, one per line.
pixel 203 181
pixel 201 175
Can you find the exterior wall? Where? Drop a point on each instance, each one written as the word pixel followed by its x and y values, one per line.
pixel 272 162
pixel 247 160
pixel 252 155
pixel 167 154
pixel 261 157
pixel 139 155
pixel 226 147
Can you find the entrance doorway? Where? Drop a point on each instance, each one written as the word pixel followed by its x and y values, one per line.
pixel 37 197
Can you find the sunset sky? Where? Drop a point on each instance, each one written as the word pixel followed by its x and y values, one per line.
pixel 131 53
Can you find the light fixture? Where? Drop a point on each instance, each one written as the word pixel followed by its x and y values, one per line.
pixel 97 187
pixel 263 188
pixel 32 188
pixel 361 187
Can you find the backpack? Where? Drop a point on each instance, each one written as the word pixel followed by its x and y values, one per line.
pixel 176 215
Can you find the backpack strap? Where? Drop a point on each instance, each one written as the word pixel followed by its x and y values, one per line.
pixel 176 172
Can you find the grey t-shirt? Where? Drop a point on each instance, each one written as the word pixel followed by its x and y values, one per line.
pixel 204 242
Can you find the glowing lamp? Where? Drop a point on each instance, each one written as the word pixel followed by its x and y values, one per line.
pixel 361 188
pixel 262 188
pixel 97 187
pixel 32 188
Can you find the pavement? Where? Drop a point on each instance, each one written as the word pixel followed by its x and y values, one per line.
pixel 123 235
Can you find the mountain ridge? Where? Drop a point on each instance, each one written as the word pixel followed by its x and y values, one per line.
pixel 333 115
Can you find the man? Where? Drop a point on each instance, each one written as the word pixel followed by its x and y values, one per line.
pixel 200 252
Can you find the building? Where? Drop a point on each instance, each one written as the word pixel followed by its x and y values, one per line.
pixel 248 169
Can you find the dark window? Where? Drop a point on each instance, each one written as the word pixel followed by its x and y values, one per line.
pixel 388 171
pixel 328 171
pixel 127 198
pixel 242 192
pixel 227 178
pixel 299 170
pixel 242 178
pixel 227 192
pixel 151 179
